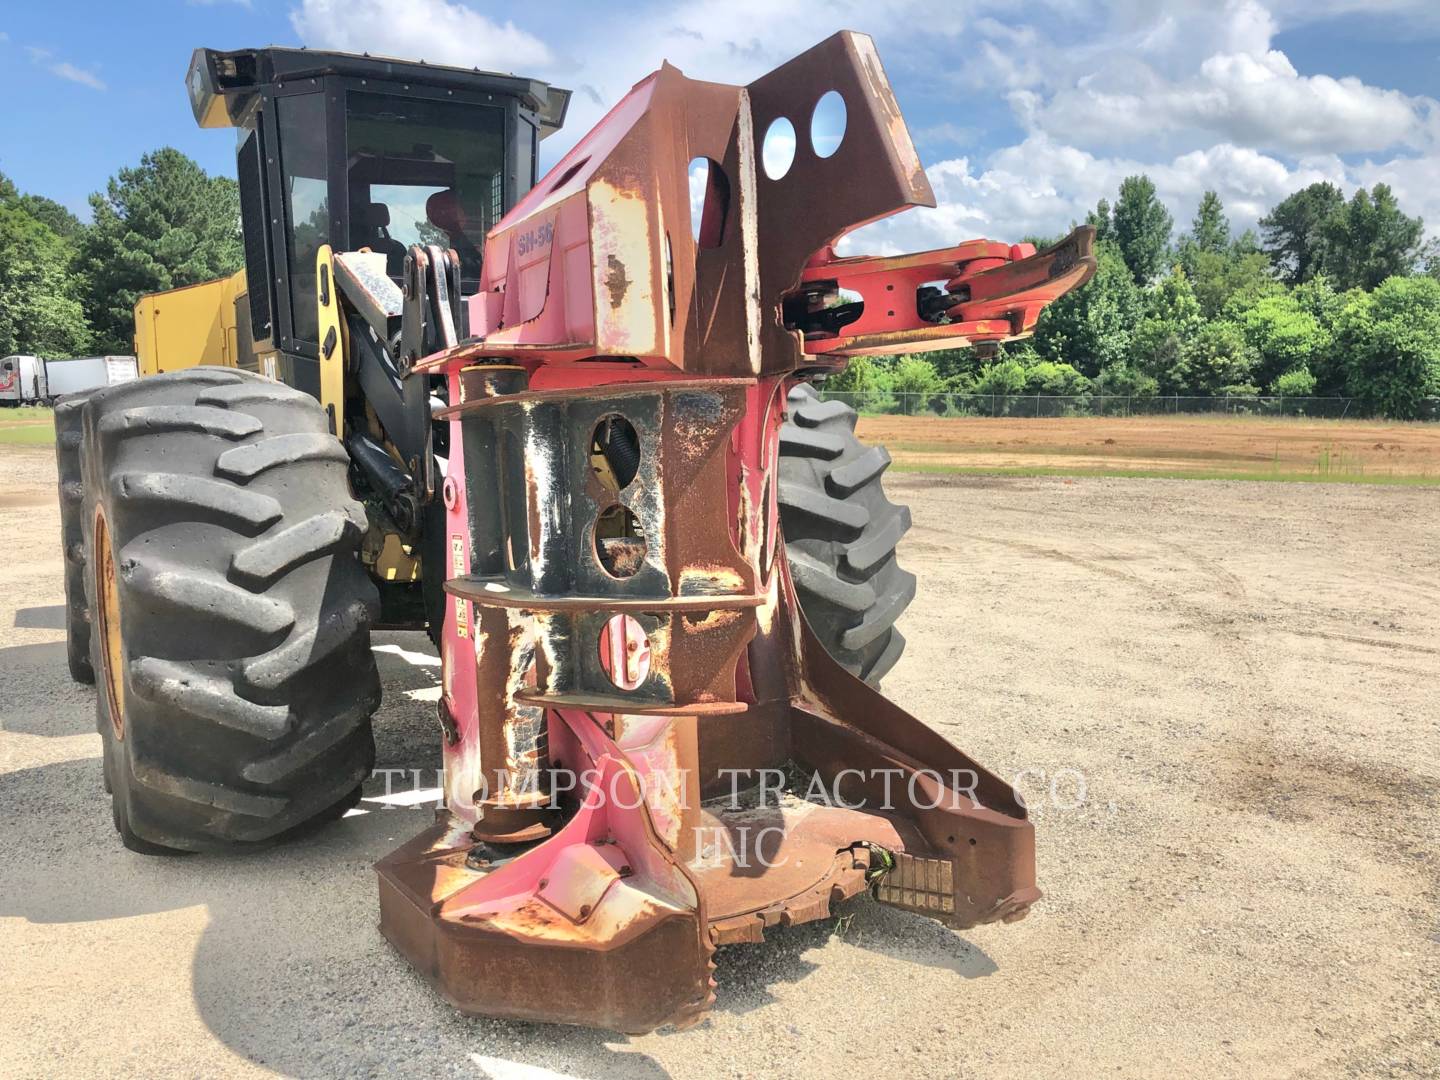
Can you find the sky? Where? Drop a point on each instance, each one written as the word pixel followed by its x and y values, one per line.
pixel 1023 116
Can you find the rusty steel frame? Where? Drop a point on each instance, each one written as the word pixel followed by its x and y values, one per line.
pixel 603 903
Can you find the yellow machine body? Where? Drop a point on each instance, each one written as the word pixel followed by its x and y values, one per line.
pixel 190 326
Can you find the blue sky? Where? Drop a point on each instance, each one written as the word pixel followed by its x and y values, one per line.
pixel 1024 116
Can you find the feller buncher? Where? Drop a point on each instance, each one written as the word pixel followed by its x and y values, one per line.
pixel 571 428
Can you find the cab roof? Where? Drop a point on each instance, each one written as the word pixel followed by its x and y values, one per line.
pixel 224 85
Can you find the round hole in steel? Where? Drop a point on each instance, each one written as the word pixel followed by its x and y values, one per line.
pixel 777 152
pixel 625 652
pixel 827 124
pixel 615 452
pixel 619 541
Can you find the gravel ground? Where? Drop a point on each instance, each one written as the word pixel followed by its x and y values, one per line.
pixel 1220 699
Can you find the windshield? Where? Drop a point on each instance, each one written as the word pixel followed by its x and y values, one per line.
pixel 423 171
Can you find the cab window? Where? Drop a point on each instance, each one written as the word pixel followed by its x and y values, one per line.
pixel 423 171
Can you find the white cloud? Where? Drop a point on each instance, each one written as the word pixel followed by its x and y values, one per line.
pixel 945 132
pixel 1040 187
pixel 601 56
pixel 434 30
pixel 63 68
pixel 66 70
pixel 1194 95
pixel 1253 98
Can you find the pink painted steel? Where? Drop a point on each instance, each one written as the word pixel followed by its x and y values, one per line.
pixel 596 301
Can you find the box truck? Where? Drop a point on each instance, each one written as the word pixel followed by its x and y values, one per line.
pixel 30 380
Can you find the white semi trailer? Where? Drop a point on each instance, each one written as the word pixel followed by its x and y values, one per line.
pixel 29 380
pixel 22 379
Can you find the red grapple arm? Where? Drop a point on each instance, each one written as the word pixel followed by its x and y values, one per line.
pixel 976 293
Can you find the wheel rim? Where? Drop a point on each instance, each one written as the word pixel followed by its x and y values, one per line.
pixel 112 653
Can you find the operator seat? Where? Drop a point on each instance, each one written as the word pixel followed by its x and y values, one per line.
pixel 444 211
pixel 372 230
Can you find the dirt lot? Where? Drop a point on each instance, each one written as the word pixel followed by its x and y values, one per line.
pixel 1245 883
pixel 1205 445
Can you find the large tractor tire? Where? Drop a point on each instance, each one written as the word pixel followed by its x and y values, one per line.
pixel 69 437
pixel 230 616
pixel 841 533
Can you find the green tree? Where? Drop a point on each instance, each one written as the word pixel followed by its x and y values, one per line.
pixel 158 226
pixel 1230 280
pixel 1142 228
pixel 1430 258
pixel 915 381
pixel 1298 229
pixel 48 212
pixel 1216 356
pixel 40 313
pixel 1001 377
pixel 1371 239
pixel 1208 238
pixel 952 364
pixel 1048 377
pixel 1297 383
pixel 1103 224
pixel 1390 341
pixel 1210 231
pixel 915 375
pixel 1126 381
pixel 1089 328
pixel 1159 344
pixel 1319 297
pixel 866 380
pixel 1285 337
pixel 1247 243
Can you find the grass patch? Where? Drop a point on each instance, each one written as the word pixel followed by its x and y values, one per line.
pixel 27 425
pixel 27 412
pixel 1273 476
pixel 27 435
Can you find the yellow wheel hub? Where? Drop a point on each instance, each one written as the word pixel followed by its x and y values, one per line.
pixel 107 615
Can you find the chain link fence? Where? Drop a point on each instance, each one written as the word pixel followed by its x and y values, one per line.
pixel 892 403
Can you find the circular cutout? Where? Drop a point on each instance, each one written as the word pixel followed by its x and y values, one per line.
pixel 619 542
pixel 625 652
pixel 777 152
pixel 449 493
pixel 827 124
pixel 615 453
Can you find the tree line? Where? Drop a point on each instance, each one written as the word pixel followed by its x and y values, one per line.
pixel 1332 297
pixel 69 289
